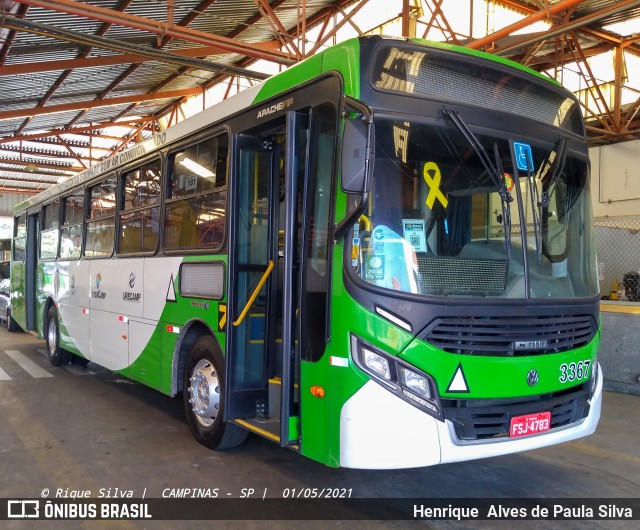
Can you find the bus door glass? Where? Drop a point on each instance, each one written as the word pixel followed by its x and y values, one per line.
pixel 18 267
pixel 31 266
pixel 253 255
pixel 279 269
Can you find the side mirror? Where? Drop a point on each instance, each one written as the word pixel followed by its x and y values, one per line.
pixel 356 156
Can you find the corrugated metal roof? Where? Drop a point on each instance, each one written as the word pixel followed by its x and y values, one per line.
pixel 8 201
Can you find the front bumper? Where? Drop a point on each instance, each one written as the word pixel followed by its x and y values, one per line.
pixel 378 430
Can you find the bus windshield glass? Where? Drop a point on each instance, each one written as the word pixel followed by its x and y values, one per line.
pixel 437 222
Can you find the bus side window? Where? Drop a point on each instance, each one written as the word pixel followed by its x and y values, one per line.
pixel 20 238
pixel 139 216
pixel 100 225
pixel 195 210
pixel 71 231
pixel 318 245
pixel 49 230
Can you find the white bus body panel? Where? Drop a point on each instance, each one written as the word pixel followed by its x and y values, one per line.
pixel 73 303
pixel 117 286
pixel 158 290
pixel 105 296
pixel 109 340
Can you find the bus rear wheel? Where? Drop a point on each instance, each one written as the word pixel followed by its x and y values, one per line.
pixel 57 356
pixel 203 397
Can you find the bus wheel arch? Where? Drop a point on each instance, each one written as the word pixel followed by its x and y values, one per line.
pixel 203 395
pixel 45 316
pixel 57 356
pixel 191 332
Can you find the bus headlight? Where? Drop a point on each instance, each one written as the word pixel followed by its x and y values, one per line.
pixel 376 363
pixel 416 383
pixel 397 376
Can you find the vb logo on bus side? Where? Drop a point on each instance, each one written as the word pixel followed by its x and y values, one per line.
pixel 98 293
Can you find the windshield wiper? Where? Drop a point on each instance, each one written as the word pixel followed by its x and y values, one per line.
pixel 506 208
pixel 558 167
pixel 536 211
pixel 495 171
pixel 538 202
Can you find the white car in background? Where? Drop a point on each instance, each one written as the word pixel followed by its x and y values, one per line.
pixel 5 307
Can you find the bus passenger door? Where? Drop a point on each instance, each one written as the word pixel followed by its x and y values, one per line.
pixel 31 272
pixel 252 260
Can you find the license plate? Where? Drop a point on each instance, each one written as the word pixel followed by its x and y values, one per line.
pixel 530 424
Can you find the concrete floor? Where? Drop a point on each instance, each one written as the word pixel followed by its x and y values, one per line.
pixel 81 429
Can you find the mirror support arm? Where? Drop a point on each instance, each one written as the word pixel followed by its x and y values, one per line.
pixel 349 220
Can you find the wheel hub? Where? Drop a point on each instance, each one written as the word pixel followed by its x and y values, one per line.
pixel 204 392
pixel 51 337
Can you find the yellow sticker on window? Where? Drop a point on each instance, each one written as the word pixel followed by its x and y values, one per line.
pixel 432 176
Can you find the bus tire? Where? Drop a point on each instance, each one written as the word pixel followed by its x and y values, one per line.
pixel 79 361
pixel 203 397
pixel 12 325
pixel 57 356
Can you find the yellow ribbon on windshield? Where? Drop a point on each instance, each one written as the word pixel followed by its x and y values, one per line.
pixel 431 174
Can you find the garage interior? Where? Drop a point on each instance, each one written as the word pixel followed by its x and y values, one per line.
pixel 83 81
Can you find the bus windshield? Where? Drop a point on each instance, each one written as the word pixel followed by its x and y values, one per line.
pixel 437 222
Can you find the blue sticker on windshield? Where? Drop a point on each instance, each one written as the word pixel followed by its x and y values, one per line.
pixel 524 158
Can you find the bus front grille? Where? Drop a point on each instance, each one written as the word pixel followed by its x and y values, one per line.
pixel 483 419
pixel 510 336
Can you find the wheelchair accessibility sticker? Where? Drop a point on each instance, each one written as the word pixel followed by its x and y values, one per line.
pixel 524 158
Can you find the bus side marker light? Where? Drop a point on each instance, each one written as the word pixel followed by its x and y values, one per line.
pixel 85 311
pixel 173 329
pixel 339 361
pixel 317 391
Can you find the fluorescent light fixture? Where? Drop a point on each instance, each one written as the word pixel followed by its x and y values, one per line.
pixel 196 168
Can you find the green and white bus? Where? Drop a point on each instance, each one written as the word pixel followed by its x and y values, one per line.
pixel 380 258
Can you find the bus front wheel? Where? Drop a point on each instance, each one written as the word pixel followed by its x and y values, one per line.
pixel 57 356
pixel 203 397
